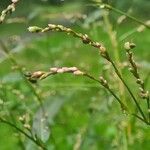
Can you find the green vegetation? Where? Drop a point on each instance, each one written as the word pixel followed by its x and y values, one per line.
pixel 65 111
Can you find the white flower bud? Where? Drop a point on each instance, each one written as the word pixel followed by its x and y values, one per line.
pixel 78 72
pixel 54 69
pixel 14 1
pixel 34 29
pixel 73 69
pixel 60 70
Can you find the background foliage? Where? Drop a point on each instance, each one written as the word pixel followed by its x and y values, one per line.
pixel 80 113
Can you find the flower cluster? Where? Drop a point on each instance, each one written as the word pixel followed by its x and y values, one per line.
pixel 134 69
pixel 10 8
pixel 84 37
pixel 73 70
pixel 103 82
pixel 104 53
pixel 39 75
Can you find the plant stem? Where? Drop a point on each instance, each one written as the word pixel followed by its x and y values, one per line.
pixel 148 106
pixel 148 99
pixel 127 34
pixel 140 119
pixel 113 39
pixel 116 97
pixel 130 92
pixel 86 40
pixel 104 84
pixel 24 133
pixel 109 7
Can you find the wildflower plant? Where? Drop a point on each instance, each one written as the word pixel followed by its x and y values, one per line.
pixel 24 121
pixel 103 52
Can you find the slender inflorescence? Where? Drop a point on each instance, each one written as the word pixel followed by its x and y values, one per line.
pixel 144 94
pixel 86 40
pixel 84 37
pixel 134 70
pixel 40 75
pixel 10 8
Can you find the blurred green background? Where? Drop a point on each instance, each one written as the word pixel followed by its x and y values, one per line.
pixel 80 113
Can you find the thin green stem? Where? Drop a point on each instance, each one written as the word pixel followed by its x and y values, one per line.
pixel 123 106
pixel 113 39
pixel 111 91
pixel 148 106
pixel 130 92
pixel 140 119
pixel 24 133
pixel 109 7
pixel 19 136
pixel 127 34
pixel 137 76
pixel 86 40
pixel 148 99
pixel 112 36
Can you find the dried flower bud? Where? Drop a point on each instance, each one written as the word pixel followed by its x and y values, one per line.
pixel 73 68
pixel 37 74
pixel 66 69
pixel 102 50
pixel 68 30
pixel 45 29
pixel 131 70
pixel 139 81
pixel 11 8
pixel 60 70
pixel 78 72
pixel 144 94
pixel 28 74
pixel 129 46
pixel 141 28
pixel 85 39
pixel 27 126
pixel 104 53
pixel 34 29
pixel 14 1
pixel 97 45
pixel 103 6
pixel 22 119
pixel 103 82
pixel 54 69
pixel 51 26
pixel 60 27
pixel 141 89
